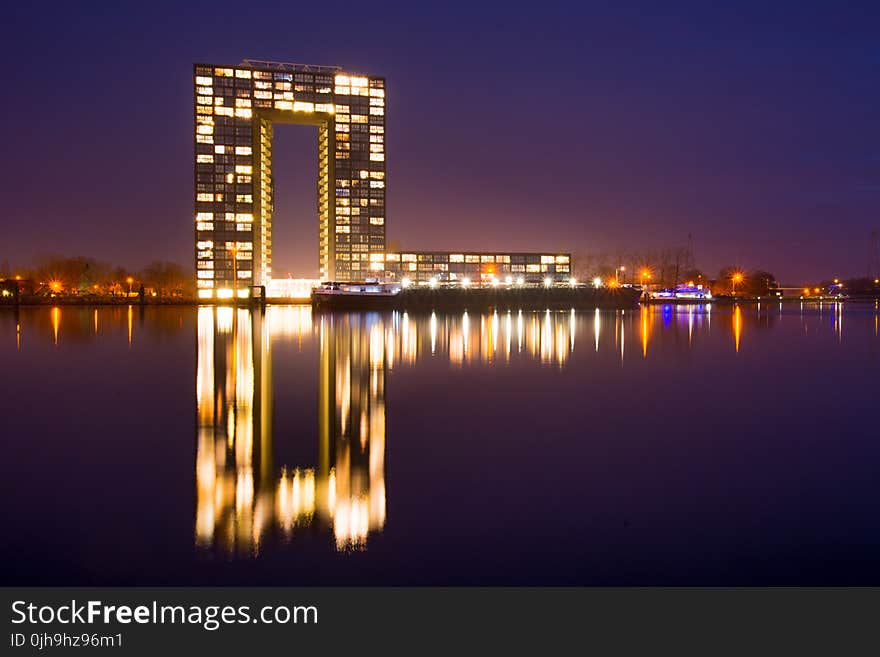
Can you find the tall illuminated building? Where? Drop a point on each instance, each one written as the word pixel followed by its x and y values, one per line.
pixel 236 108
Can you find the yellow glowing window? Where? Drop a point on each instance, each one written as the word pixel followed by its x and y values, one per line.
pixel 547 259
pixel 377 157
pixel 533 268
pixel 377 111
pixel 204 80
pixel 283 105
pixel 377 93
pixel 342 91
pixel 359 118
pixel 219 149
pixel 343 229
pixel 377 257
pixel 487 258
pixel 377 221
pixel 244 216
pixel 244 198
pixel 243 150
pixel 205 216
pixel 205 91
pixel 342 79
pixel 301 106
pixel 244 168
pixel 243 113
pixel 472 258
pixel 205 129
pixel 246 75
pixel 218 100
pixel 204 158
pixel 223 72
pixel 411 266
pixel 201 109
pixel 456 257
pixel 242 102
pixel 408 257
pixel 325 107
pixel 202 196
pixel 561 259
pixel 204 100
pixel 205 225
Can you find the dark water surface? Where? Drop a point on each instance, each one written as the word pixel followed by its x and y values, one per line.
pixel 684 445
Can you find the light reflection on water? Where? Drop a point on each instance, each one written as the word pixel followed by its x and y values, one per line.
pixel 253 495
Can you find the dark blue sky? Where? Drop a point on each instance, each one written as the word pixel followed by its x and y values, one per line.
pixel 581 126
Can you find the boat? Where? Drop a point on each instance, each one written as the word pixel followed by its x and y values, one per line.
pixel 367 295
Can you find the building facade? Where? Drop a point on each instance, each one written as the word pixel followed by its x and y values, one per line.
pixel 235 111
pixel 472 267
pixel 236 108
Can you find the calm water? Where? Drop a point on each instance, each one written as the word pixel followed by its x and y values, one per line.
pixel 681 445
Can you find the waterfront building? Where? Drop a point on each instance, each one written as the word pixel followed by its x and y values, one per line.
pixel 472 267
pixel 235 111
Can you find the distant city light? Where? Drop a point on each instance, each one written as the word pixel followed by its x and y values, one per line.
pixel 508 280
pixel 405 282
pixel 465 281
pixel 572 281
pixel 548 282
pixel 432 283
pixel 597 282
pixel 521 281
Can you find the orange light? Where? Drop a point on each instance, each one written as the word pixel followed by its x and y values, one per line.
pixel 55 286
pixel 129 280
pixel 816 290
pixel 806 290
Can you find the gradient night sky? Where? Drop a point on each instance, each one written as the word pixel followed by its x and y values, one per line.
pixel 585 126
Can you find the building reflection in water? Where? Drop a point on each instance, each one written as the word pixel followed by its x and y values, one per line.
pixel 243 497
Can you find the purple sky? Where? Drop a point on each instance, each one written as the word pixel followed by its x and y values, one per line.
pixel 574 126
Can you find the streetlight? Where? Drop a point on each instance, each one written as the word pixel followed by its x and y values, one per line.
pixel 736 278
pixel 616 276
pixel 129 280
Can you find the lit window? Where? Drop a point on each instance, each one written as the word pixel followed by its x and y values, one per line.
pixel 243 150
pixel 300 106
pixel 243 113
pixel 204 197
pixel 244 168
pixel 377 221
pixel 246 75
pixel 456 257
pixel 223 72
pixel 204 80
pixel 219 149
pixel 205 216
pixel 377 157
pixel 204 158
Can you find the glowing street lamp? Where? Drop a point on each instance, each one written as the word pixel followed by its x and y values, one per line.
pixel 597 282
pixel 548 282
pixel 617 271
pixel 736 278
pixel 129 280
